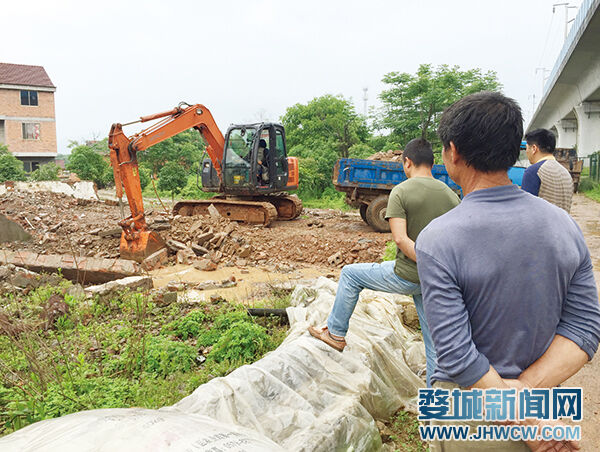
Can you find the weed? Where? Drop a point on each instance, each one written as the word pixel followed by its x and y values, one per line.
pixel 390 251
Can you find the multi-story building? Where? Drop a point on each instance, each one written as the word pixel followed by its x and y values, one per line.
pixel 27 122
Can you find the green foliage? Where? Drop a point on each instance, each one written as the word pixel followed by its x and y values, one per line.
pixel 184 149
pixel 590 188
pixel 145 174
pixel 163 356
pixel 11 168
pixel 118 351
pixel 186 327
pixel 390 251
pixel 405 434
pixel 328 199
pixel 172 178
pixel 412 104
pixel 87 162
pixel 220 325
pixel 242 341
pixel 319 133
pixel 49 171
pixel 586 184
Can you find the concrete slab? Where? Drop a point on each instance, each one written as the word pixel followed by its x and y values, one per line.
pixel 79 190
pixel 81 269
pixel 11 231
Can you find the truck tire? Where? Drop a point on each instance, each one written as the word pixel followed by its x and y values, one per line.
pixel 363 212
pixel 376 214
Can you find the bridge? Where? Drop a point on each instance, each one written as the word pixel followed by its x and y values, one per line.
pixel 570 104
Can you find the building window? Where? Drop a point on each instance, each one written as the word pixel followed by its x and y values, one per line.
pixel 29 98
pixel 31 130
pixel 35 165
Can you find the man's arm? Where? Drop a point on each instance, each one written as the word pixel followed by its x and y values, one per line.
pixel 577 333
pixel 404 242
pixel 531 181
pixel 448 321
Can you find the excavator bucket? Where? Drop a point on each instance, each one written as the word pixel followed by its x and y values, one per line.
pixel 145 244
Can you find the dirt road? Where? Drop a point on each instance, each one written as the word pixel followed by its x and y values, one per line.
pixel 587 214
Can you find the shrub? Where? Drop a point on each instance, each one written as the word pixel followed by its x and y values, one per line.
pixel 49 171
pixel 188 326
pixel 163 356
pixel 89 165
pixel 11 168
pixel 243 341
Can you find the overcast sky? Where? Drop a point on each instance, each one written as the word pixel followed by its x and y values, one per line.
pixel 113 61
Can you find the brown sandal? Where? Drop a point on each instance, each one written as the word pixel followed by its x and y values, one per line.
pixel 326 337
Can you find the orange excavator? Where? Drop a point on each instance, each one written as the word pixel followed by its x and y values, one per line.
pixel 248 168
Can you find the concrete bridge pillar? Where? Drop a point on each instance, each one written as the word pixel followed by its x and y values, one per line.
pixel 588 128
pixel 567 133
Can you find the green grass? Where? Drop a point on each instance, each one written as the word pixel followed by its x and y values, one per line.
pixel 119 352
pixel 405 433
pixel 590 189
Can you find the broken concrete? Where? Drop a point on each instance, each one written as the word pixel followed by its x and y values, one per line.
pixel 11 231
pixel 80 269
pixel 132 283
pixel 205 265
pixel 156 260
pixel 79 190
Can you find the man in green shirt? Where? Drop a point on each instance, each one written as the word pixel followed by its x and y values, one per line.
pixel 412 205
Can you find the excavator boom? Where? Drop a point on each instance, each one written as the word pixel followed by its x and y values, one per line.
pixel 137 241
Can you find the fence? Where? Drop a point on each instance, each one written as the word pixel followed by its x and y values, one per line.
pixel 595 166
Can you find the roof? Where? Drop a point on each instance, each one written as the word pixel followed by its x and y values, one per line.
pixel 21 74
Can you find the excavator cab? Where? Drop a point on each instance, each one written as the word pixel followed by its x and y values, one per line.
pixel 255 162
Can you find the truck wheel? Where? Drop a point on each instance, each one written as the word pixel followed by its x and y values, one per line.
pixel 376 214
pixel 363 212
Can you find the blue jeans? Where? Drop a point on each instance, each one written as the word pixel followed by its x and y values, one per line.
pixel 380 277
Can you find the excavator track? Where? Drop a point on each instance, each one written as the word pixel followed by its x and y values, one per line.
pixel 241 210
pixel 288 206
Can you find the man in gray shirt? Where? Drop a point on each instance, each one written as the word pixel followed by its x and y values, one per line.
pixel 507 280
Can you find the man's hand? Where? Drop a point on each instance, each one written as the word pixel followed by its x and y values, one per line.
pixel 551 445
pixel 400 236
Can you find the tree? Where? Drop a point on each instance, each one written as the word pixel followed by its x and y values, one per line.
pixel 185 149
pixel 48 171
pixel 11 168
pixel 412 105
pixel 319 133
pixel 89 165
pixel 172 178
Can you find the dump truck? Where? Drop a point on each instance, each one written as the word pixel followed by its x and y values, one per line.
pixel 368 183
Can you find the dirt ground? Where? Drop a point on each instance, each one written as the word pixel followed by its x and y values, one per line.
pixel 64 225
pixel 587 214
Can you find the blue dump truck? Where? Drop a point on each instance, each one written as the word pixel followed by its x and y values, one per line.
pixel 367 184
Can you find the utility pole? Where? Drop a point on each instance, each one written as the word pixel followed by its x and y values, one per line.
pixel 365 99
pixel 567 8
pixel 543 70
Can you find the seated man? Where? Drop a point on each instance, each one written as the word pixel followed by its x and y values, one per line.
pixel 412 205
pixel 546 178
pixel 263 163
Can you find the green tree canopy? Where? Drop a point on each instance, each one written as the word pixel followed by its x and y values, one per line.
pixel 89 164
pixel 413 103
pixel 320 132
pixel 185 149
pixel 11 168
pixel 172 178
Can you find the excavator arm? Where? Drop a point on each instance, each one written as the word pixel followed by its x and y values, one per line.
pixel 137 242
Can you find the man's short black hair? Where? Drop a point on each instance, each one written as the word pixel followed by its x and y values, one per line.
pixel 544 139
pixel 486 129
pixel 419 152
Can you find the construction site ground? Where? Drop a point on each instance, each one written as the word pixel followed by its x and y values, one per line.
pixel 318 243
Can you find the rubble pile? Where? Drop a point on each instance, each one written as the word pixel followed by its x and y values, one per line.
pixel 388 156
pixel 62 225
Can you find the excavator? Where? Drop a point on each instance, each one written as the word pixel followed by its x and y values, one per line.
pixel 248 168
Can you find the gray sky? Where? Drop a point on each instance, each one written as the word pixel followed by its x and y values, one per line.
pixel 113 61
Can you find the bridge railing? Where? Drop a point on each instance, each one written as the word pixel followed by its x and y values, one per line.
pixel 595 166
pixel 584 9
